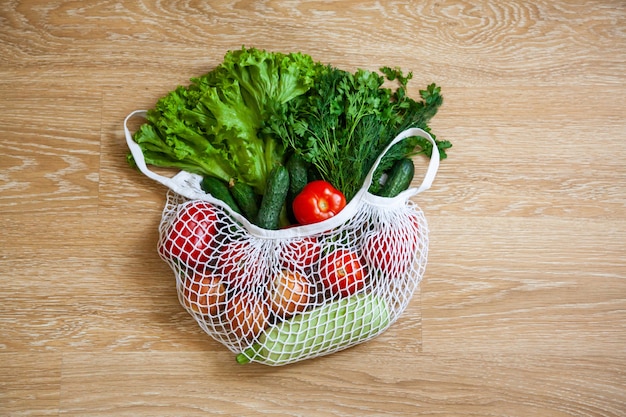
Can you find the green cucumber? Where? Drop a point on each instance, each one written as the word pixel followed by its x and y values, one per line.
pixel 399 179
pixel 218 189
pixel 298 178
pixel 298 174
pixel 274 198
pixel 246 199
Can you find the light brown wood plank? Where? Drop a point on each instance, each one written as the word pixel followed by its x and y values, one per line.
pixel 478 385
pixel 525 286
pixel 86 282
pixel 489 42
pixel 522 155
pixel 48 153
pixel 30 383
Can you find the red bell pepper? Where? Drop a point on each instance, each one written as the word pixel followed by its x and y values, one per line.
pixel 191 236
pixel 317 201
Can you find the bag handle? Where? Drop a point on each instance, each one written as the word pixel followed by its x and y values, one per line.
pixel 433 165
pixel 184 183
pixel 188 185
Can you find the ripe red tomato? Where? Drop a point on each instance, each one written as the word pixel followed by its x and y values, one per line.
pixel 393 249
pixel 301 253
pixel 317 201
pixel 191 235
pixel 342 272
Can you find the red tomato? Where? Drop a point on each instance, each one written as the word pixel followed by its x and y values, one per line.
pixel 301 253
pixel 204 294
pixel 342 272
pixel 317 201
pixel 393 249
pixel 191 235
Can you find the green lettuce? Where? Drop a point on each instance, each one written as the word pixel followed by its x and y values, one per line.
pixel 212 127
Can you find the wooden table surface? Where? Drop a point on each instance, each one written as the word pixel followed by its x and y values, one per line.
pixel 522 310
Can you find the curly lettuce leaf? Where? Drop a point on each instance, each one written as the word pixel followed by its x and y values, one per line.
pixel 212 127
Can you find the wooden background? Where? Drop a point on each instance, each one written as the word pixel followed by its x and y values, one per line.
pixel 522 311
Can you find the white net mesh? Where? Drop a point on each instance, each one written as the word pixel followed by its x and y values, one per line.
pixel 278 300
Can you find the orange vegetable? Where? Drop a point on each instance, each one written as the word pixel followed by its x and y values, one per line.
pixel 247 315
pixel 204 294
pixel 290 293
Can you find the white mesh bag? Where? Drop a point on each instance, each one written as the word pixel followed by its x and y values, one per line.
pixel 282 296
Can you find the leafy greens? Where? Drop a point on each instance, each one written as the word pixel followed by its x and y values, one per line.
pixel 240 120
pixel 212 127
pixel 345 120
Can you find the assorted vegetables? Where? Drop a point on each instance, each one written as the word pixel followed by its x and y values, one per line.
pixel 318 290
pixel 283 141
pixel 262 125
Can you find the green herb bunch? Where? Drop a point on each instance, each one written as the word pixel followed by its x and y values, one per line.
pixel 343 123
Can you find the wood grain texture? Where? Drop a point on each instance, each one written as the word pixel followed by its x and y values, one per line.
pixel 378 385
pixel 522 311
pixel 47 156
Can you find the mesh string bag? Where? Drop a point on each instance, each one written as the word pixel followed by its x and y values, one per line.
pixel 282 296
